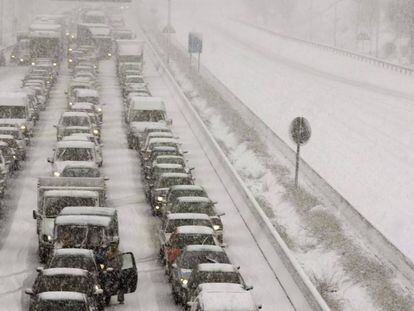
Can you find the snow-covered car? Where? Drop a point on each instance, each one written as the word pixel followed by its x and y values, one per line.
pixel 88 138
pixel 74 258
pixel 139 132
pixel 18 145
pixel 10 157
pixel 182 191
pixel 173 221
pixel 54 194
pixel 15 108
pixel 223 296
pixel 62 301
pixel 157 190
pixel 199 205
pixel 87 107
pixel 159 169
pixel 68 280
pixel 145 153
pixel 91 232
pixel 183 236
pixel 80 170
pixel 74 121
pixel 212 273
pixel 4 173
pixel 155 134
pixel 72 152
pixel 87 96
pixel 191 256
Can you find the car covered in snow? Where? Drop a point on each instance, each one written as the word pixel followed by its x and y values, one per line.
pixel 145 153
pixel 74 122
pixel 183 236
pixel 68 280
pixel 54 194
pixel 18 146
pixel 212 273
pixel 17 109
pixel 140 132
pixel 198 205
pixel 173 221
pixel 73 152
pixel 157 190
pixel 62 301
pixel 191 256
pixel 223 296
pixel 159 169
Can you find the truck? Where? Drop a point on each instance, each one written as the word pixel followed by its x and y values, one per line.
pixel 45 41
pixel 129 51
pixel 54 194
pixel 98 35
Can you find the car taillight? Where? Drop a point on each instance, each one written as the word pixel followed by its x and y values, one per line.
pixel 173 253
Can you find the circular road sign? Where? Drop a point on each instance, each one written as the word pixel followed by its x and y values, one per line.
pixel 300 130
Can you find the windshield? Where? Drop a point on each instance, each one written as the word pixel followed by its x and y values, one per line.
pixel 54 205
pixel 147 116
pixel 173 181
pixel 70 131
pixel 79 262
pixel 193 207
pixel 174 223
pixel 75 121
pixel 12 112
pixel 80 172
pixel 183 240
pixel 74 236
pixel 134 80
pixel 74 154
pixel 171 160
pixel 61 305
pixel 66 283
pixel 88 99
pixel 190 260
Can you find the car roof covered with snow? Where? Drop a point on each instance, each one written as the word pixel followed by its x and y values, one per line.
pixel 187 187
pixel 88 210
pixel 87 93
pixel 174 175
pixel 74 114
pixel 61 296
pixel 227 301
pixel 176 216
pixel 64 271
pixel 147 103
pixel 82 105
pixel 216 267
pixel 204 248
pixel 13 99
pixel 194 230
pixel 74 252
pixel 167 166
pixel 83 220
pixel 75 144
pixel 71 193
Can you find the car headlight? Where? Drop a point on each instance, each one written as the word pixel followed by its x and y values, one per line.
pixel 216 227
pixel 160 199
pixel 14 157
pixel 96 132
pixel 99 109
pixel 70 60
pixel 22 127
pixel 157 207
pixel 13 56
pixel 72 36
pixel 22 60
pixel 47 238
pixel 70 103
pixel 70 49
pixel 55 64
pixel 109 54
pixel 56 174
pixel 102 266
pixel 184 282
pixel 33 63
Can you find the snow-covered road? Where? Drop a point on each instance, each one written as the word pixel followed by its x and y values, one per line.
pixel 362 135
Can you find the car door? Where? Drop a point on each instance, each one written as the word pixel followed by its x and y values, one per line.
pixel 129 273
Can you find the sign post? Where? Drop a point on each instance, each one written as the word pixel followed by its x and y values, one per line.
pixel 300 132
pixel 195 45
pixel 169 30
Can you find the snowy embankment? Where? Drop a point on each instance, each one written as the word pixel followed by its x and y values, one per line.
pixel 360 114
pixel 349 274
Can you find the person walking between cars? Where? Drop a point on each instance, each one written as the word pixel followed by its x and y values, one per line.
pixel 115 262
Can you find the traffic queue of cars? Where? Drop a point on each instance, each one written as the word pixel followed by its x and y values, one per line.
pixel 19 112
pixel 201 274
pixel 78 236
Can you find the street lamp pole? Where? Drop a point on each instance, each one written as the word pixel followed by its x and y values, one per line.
pixel 168 30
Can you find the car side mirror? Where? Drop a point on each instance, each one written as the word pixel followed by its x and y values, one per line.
pixel 29 291
pixel 50 160
pixel 221 214
pixel 54 125
pixel 66 93
pixel 174 265
pixel 190 304
pixel 35 214
pixel 106 178
pixel 39 269
pixel 249 288
pixel 259 307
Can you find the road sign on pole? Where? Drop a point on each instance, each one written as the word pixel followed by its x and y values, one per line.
pixel 300 132
pixel 195 45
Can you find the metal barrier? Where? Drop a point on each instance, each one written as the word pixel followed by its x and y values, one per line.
pixel 361 57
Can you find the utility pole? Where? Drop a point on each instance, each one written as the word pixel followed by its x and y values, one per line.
pixel 1 22
pixel 168 30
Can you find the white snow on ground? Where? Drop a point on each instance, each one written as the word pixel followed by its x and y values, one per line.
pixel 361 115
